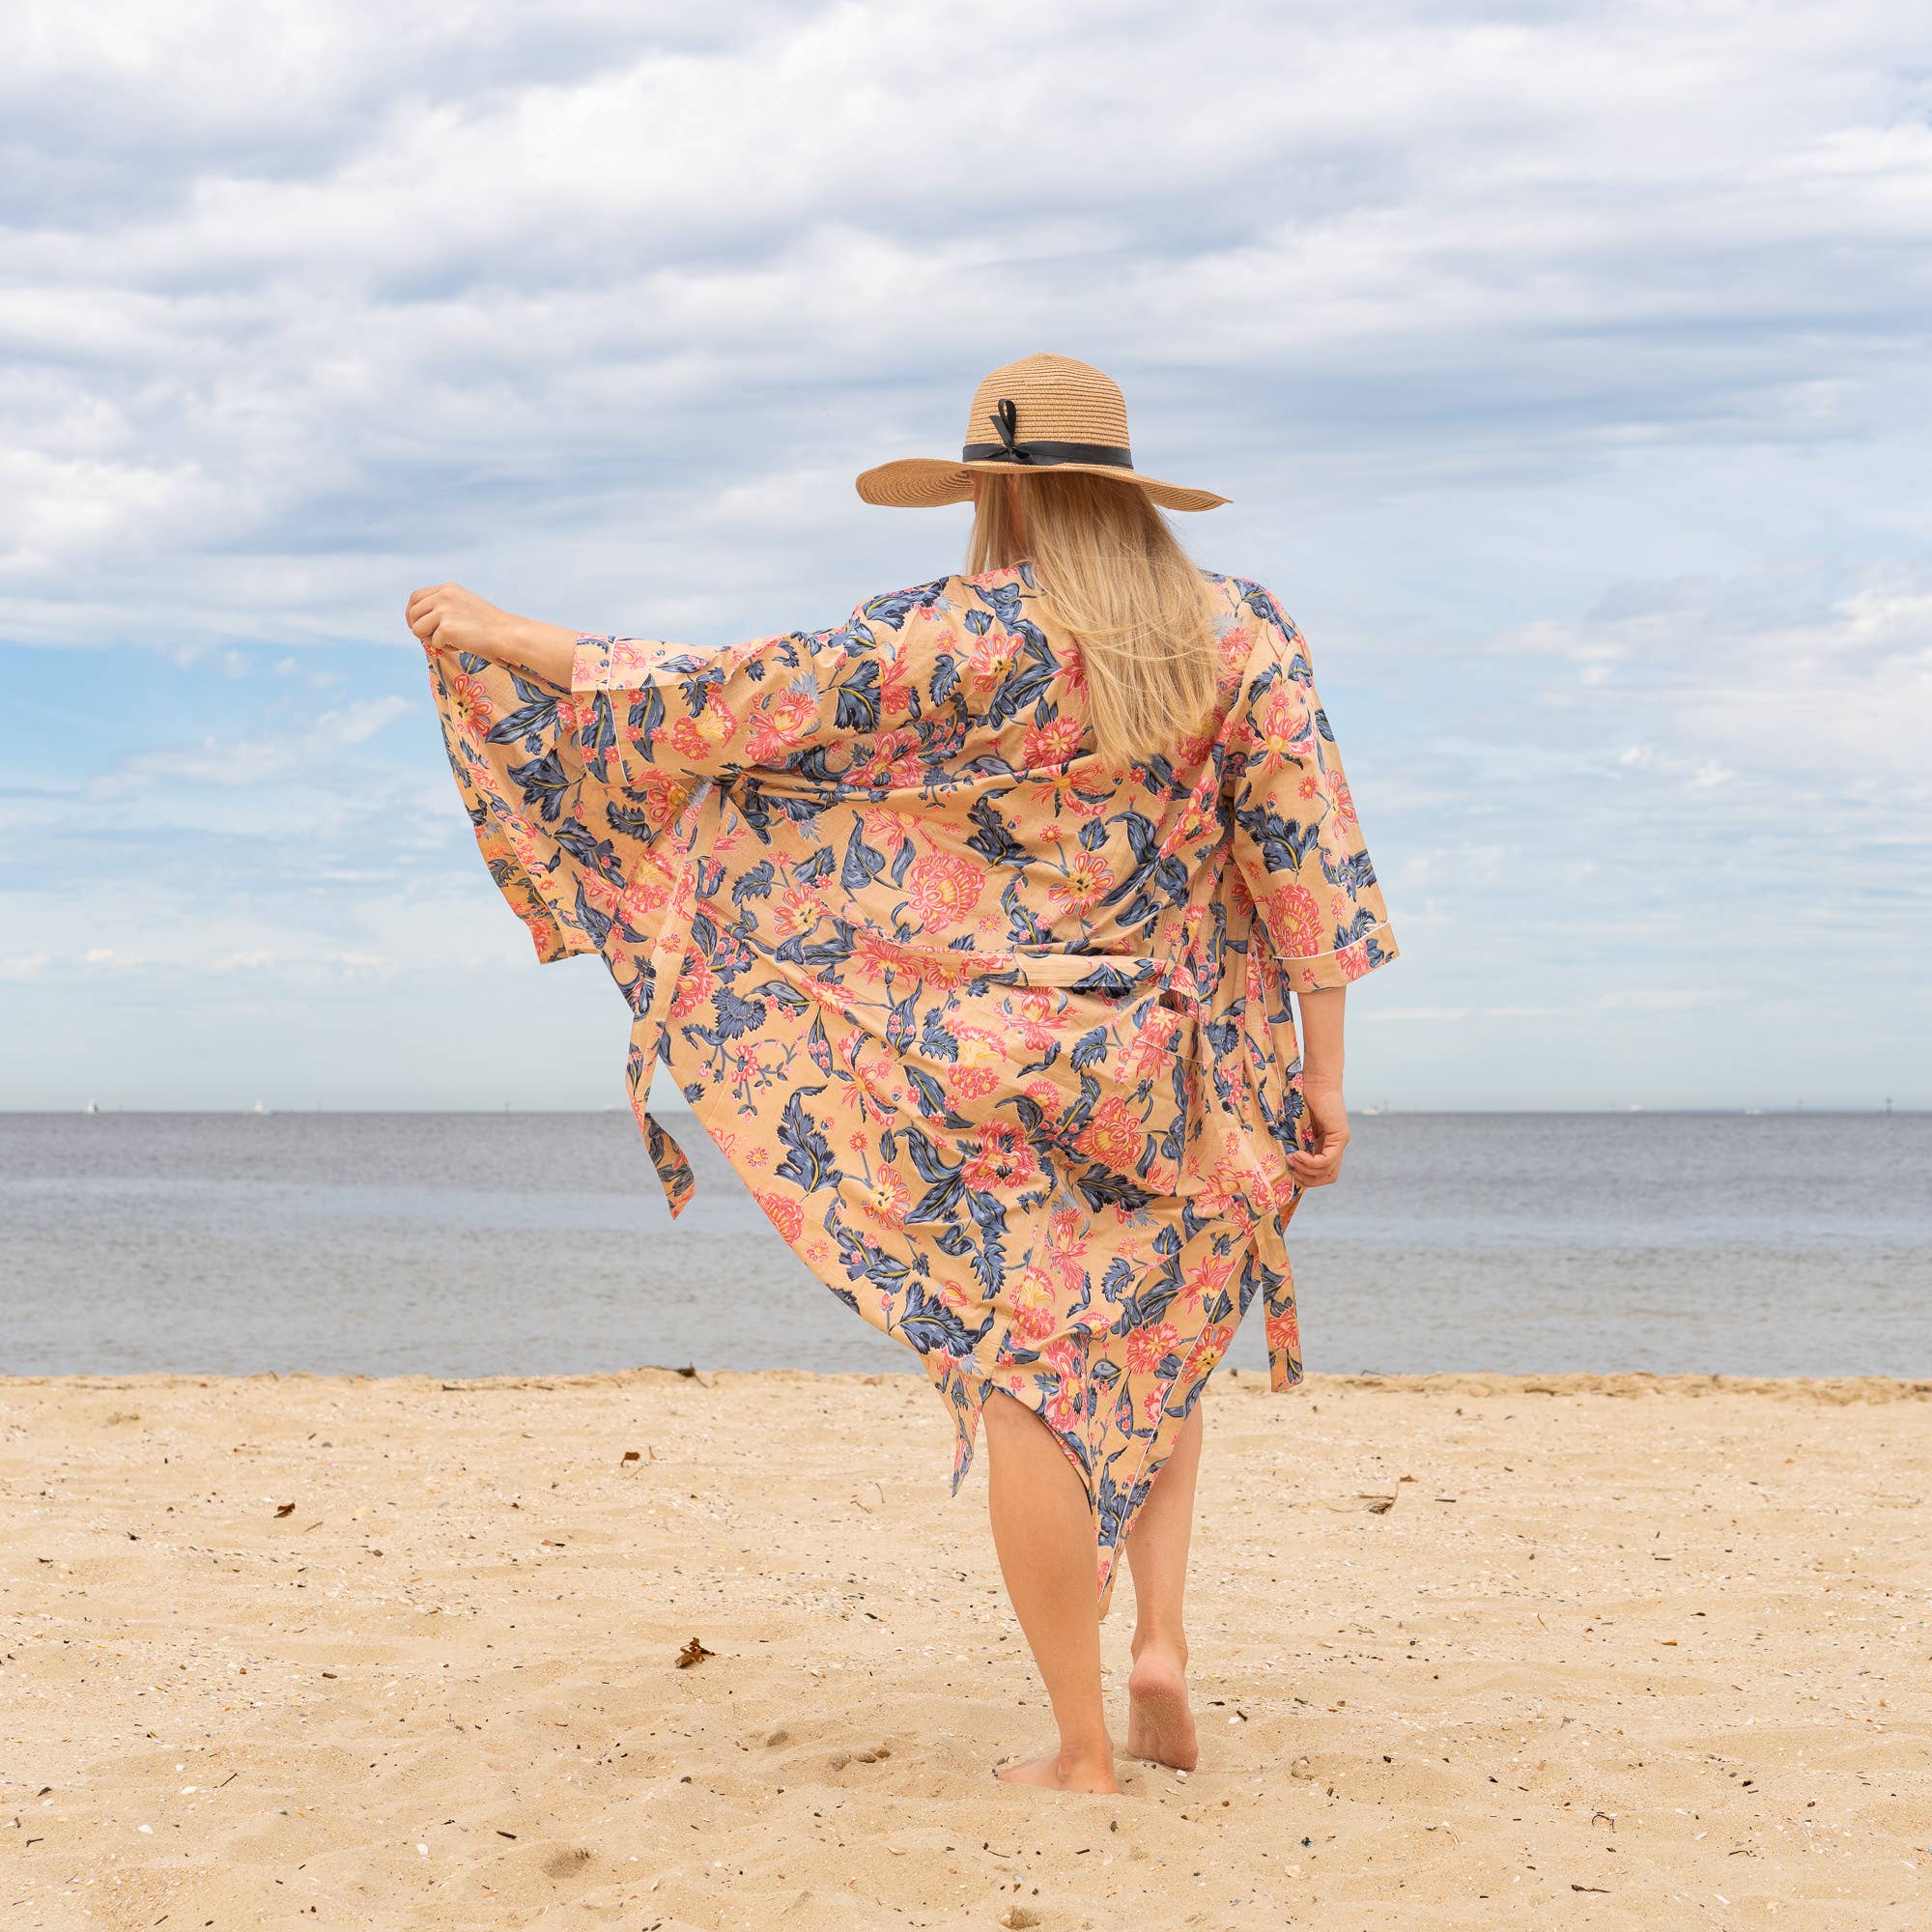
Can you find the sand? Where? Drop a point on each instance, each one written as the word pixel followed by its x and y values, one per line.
pixel 380 1653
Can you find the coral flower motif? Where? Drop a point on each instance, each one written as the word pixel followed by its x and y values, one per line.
pixel 1344 802
pixel 887 1198
pixel 1062 1411
pixel 885 752
pixel 1207 1282
pixel 797 911
pixel 1146 1347
pixel 701 738
pixel 1002 1162
pixel 1210 1346
pixel 787 1216
pixel 944 889
pixel 884 830
pixel 1034 1318
pixel 1057 742
pixel 790 713
pixel 971 1083
pixel 1046 1096
pixel 1294 920
pixel 644 895
pixel 1283 734
pixel 472 701
pixel 1113 1136
pixel 1353 961
pixel 601 892
pixel 1089 878
pixel 993 657
pixel 696 985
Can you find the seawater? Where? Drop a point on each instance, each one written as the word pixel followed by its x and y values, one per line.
pixel 466 1244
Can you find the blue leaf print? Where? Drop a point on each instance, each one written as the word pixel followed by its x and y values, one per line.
pixel 808 1163
pixel 755 884
pixel 1089 1050
pixel 863 863
pixel 928 1323
pixel 543 784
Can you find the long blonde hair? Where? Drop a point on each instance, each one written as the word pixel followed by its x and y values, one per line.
pixel 1114 575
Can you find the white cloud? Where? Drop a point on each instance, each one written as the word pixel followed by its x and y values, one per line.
pixel 255 761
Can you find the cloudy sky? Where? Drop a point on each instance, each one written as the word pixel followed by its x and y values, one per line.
pixel 1567 367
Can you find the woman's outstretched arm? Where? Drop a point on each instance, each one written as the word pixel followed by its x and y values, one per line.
pixel 451 618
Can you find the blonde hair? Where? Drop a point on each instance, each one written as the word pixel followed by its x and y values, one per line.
pixel 1114 575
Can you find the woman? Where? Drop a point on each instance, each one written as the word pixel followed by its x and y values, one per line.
pixel 966 928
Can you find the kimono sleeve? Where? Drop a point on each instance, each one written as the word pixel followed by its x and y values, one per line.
pixel 670 714
pixel 1296 838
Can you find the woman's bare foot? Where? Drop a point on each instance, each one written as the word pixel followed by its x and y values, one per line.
pixel 1058 1772
pixel 1161 1723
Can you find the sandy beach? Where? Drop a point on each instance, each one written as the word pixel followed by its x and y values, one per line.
pixel 393 1653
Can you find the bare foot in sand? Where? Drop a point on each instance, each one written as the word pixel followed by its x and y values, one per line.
pixel 1058 1772
pixel 1161 1723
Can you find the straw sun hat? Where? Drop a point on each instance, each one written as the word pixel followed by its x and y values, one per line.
pixel 1045 412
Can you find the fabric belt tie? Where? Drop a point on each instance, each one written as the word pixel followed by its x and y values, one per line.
pixel 1215 1135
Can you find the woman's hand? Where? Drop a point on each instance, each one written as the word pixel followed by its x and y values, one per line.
pixel 1326 1119
pixel 447 617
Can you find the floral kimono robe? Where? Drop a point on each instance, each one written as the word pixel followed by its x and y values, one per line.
pixel 998 1035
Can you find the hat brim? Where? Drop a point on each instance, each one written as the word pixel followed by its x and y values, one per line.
pixel 925 482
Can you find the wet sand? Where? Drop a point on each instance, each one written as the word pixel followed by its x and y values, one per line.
pixel 388 1653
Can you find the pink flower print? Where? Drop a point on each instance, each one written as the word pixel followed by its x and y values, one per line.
pixel 1088 881
pixel 1284 733
pixel 699 739
pixel 970 1083
pixel 473 705
pixel 944 888
pixel 884 830
pixel 787 1216
pixel 1295 920
pixel 1032 1307
pixel 696 985
pixel 993 656
pixel 1345 803
pixel 796 911
pixel 1057 742
pixel 1145 1346
pixel 1062 1411
pixel 1045 1095
pixel 886 1198
pixel 1002 1163
pixel 785 718
pixel 1113 1135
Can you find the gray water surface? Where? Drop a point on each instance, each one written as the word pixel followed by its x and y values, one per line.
pixel 466 1244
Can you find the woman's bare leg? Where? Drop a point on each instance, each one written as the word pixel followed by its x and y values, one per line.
pixel 1160 1725
pixel 1044 1532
